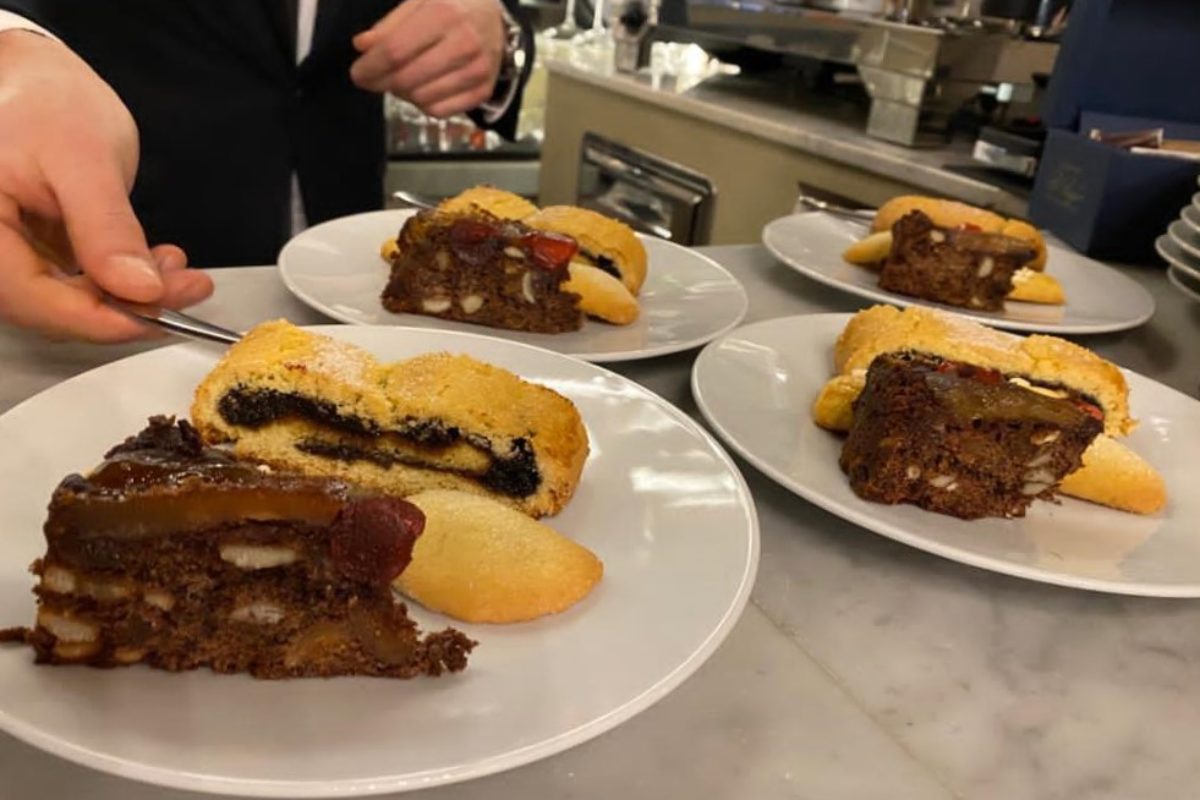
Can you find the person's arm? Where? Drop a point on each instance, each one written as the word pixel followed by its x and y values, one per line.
pixel 67 231
pixel 444 56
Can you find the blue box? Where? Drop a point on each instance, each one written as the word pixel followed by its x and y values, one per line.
pixel 1123 65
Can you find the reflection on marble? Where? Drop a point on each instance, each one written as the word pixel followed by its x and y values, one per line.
pixel 1004 687
pixel 759 720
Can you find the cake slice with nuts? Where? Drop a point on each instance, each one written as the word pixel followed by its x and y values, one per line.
pixel 963 440
pixel 478 268
pixel 956 266
pixel 180 556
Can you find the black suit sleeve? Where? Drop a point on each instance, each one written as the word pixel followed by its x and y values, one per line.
pixel 506 125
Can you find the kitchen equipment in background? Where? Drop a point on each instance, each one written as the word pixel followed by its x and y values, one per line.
pixel 854 6
pixel 1038 17
pixel 1010 149
pixel 633 22
pixel 441 157
pixel 648 193
pixel 918 72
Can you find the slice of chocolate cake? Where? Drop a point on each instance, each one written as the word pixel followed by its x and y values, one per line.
pixel 962 440
pixel 178 556
pixel 960 267
pixel 477 268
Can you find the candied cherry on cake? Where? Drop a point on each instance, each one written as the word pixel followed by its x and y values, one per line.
pixel 471 231
pixel 1091 410
pixel 372 539
pixel 550 251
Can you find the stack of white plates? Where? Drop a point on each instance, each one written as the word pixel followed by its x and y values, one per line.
pixel 1180 247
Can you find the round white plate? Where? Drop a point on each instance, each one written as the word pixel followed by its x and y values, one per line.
pixel 1184 282
pixel 660 502
pixel 688 299
pixel 756 386
pixel 1099 299
pixel 1175 255
pixel 1182 234
pixel 1191 217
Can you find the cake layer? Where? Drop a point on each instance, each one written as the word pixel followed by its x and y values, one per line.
pixel 259 598
pixel 960 440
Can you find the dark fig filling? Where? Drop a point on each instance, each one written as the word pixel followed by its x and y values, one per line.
pixel 514 474
pixel 603 263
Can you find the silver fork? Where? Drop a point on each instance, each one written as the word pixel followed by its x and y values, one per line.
pixel 175 322
pixel 865 214
pixel 413 199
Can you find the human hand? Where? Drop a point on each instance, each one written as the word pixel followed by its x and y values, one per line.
pixel 67 230
pixel 440 55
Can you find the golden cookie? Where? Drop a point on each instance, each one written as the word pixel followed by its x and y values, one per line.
pixel 607 243
pixel 497 202
pixel 1036 287
pixel 480 561
pixel 944 213
pixel 389 249
pixel 600 294
pixel 871 251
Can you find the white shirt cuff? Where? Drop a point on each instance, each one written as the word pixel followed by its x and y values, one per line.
pixel 10 21
pixel 495 109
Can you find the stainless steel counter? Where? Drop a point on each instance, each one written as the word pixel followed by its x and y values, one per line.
pixel 862 668
pixel 814 124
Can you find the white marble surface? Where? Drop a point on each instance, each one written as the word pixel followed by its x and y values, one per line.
pixel 821 126
pixel 863 668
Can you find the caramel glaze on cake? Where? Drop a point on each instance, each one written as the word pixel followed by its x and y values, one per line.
pixel 962 440
pixel 178 556
pixel 958 267
pixel 477 268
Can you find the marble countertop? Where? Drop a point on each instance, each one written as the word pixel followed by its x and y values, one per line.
pixel 835 129
pixel 862 668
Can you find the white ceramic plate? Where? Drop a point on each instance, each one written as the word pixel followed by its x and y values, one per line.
pixel 756 386
pixel 1175 255
pixel 688 299
pixel 1191 217
pixel 1196 201
pixel 1099 299
pixel 1183 235
pixel 660 502
pixel 1184 282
